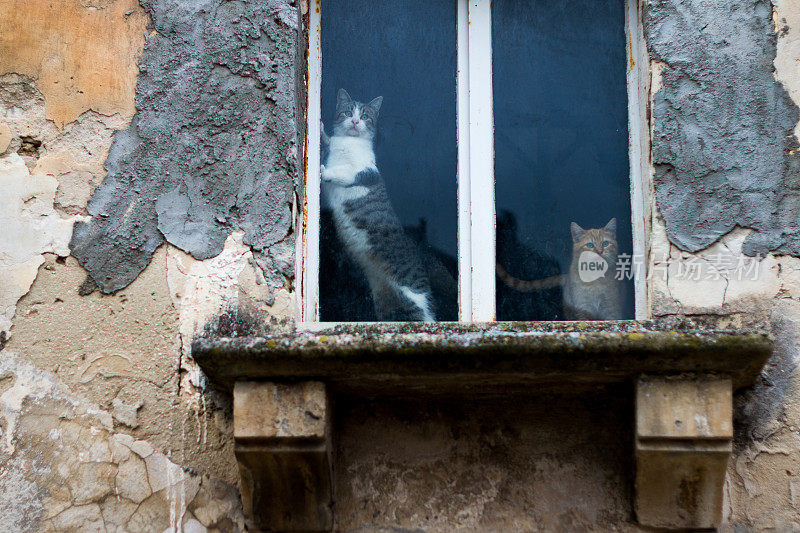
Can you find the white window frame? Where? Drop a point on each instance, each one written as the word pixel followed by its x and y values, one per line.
pixel 476 191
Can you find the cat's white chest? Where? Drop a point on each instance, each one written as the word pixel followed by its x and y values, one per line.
pixel 347 157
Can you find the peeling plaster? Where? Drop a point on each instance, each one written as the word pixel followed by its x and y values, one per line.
pixel 723 147
pixel 203 290
pixel 82 54
pixel 394 469
pixel 212 148
pixel 31 227
pixel 787 59
pixel 66 470
pixel 717 279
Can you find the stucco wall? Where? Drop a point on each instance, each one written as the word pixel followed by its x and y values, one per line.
pixel 167 132
pixel 762 484
pixel 105 420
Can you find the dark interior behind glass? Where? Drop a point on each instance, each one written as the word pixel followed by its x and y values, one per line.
pixel 403 50
pixel 561 141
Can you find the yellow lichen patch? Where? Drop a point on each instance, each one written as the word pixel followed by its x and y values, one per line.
pixel 83 54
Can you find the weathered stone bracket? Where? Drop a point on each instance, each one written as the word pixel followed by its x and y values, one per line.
pixel 684 437
pixel 684 384
pixel 281 434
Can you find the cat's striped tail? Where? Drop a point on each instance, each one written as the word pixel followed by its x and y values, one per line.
pixel 522 285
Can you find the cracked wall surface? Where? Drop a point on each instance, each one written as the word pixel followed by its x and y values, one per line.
pixel 46 40
pixel 64 468
pixel 86 372
pixel 32 227
pixel 726 188
pixel 182 131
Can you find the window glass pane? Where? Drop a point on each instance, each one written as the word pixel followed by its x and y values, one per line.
pixel 561 159
pixel 388 243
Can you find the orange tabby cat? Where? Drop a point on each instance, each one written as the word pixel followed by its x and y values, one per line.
pixel 585 296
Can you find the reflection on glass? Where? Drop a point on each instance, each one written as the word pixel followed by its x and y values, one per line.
pixel 561 160
pixel 388 227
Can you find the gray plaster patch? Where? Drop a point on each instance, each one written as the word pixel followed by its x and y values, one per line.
pixel 212 147
pixel 723 141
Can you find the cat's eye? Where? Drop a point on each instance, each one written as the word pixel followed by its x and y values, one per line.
pixel 590 245
pixel 606 244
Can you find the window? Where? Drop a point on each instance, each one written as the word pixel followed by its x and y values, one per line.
pixel 507 141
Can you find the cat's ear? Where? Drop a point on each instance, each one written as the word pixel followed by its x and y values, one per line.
pixel 611 227
pixel 375 104
pixel 577 231
pixel 342 98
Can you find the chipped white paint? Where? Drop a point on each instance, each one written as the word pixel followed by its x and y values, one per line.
pixel 718 279
pixel 638 83
pixel 30 227
pixel 202 290
pixel 481 161
pixel 307 251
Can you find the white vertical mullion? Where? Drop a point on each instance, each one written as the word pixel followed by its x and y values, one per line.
pixel 462 128
pixel 307 263
pixel 639 147
pixel 481 161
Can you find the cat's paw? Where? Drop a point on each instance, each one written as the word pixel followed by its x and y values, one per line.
pixel 329 175
pixel 323 136
pixel 324 173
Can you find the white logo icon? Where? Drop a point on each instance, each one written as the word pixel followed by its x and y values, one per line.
pixel 591 266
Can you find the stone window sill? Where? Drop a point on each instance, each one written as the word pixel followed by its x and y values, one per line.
pixel 684 380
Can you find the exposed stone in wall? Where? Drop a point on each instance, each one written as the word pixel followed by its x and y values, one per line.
pixel 124 352
pixel 83 54
pixel 212 148
pixel 64 469
pixel 723 147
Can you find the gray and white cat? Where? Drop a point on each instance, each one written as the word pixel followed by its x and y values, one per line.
pixel 366 224
pixel 598 299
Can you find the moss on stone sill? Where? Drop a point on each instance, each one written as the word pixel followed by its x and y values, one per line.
pixel 489 353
